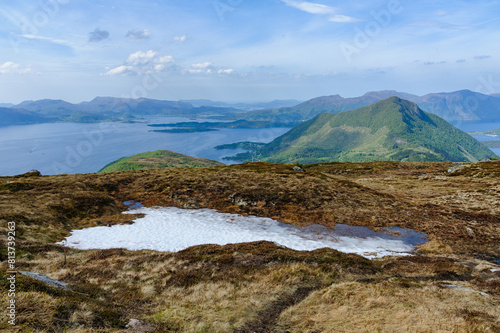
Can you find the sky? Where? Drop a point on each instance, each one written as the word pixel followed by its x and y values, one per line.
pixel 245 50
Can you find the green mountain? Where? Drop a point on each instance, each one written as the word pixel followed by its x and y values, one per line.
pixel 392 129
pixel 158 160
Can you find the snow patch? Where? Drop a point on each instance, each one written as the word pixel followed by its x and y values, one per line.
pixel 173 229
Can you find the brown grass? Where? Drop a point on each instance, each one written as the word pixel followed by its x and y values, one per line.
pixel 239 287
pixel 389 306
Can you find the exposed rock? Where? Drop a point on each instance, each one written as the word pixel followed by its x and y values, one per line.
pixel 191 204
pixel 135 325
pixel 297 168
pixel 453 286
pixel 45 279
pixel 456 168
pixel 31 173
pixel 240 201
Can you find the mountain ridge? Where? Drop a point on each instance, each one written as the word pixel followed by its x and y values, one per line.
pixel 462 105
pixel 391 129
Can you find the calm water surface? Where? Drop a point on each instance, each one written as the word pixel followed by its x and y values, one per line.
pixel 83 148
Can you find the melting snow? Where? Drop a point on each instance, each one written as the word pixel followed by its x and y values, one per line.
pixel 174 229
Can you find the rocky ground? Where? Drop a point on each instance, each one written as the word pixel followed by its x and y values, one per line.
pixel 451 284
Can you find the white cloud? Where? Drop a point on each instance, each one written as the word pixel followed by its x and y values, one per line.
pixel 319 9
pixel 165 59
pixel 142 63
pixel 310 7
pixel 194 71
pixel 159 68
pixel 225 71
pixel 207 68
pixel 141 58
pixel 147 62
pixel 180 39
pixel 120 70
pixel 202 65
pixel 13 68
pixel 342 19
pixel 48 39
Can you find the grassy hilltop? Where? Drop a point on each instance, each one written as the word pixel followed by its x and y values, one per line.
pixel 158 159
pixel 260 286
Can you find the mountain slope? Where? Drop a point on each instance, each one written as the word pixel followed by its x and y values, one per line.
pixel 392 129
pixel 315 106
pixel 10 116
pixel 245 106
pixel 158 159
pixel 463 105
pixel 48 107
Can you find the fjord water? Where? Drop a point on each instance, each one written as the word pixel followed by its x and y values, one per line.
pixel 82 148
pixel 56 148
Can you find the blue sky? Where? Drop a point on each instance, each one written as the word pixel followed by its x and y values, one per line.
pixel 245 50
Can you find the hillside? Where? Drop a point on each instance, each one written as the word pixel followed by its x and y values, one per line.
pixel 315 106
pixel 392 129
pixel 451 283
pixel 463 105
pixel 158 159
pixel 9 116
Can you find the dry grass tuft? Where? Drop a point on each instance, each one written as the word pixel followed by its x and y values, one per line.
pixel 386 307
pixel 435 246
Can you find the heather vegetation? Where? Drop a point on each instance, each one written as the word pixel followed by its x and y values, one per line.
pixel 260 286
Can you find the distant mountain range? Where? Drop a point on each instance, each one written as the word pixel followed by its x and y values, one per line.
pixel 120 109
pixel 245 106
pixel 391 129
pixel 461 105
pixel 9 116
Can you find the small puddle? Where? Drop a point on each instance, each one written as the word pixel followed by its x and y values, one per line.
pixel 173 229
pixel 133 204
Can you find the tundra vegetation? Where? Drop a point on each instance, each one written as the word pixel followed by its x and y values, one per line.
pixel 260 286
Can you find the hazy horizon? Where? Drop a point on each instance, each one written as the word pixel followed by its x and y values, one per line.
pixel 233 101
